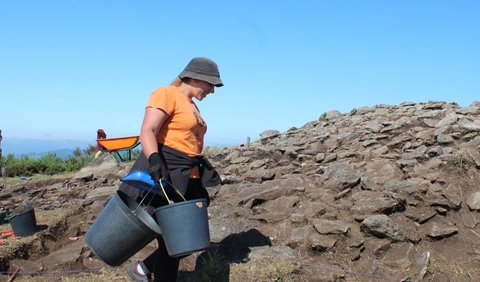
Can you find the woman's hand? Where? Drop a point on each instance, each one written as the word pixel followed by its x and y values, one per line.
pixel 158 167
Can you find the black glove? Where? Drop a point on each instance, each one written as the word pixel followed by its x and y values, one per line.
pixel 158 167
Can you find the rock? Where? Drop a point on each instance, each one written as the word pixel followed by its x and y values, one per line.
pixel 423 260
pixel 331 114
pixel 380 247
pixel 432 105
pixel 468 125
pixel 408 186
pixel 368 202
pixel 84 176
pixel 383 227
pixel 451 193
pixel 300 236
pixel 374 126
pixel 420 215
pixel 473 201
pixel 320 243
pixel 326 227
pixel 474 155
pixel 257 164
pixel 378 172
pixel 312 209
pixel 269 134
pixel 470 219
pixel 440 231
pixel 25 266
pixel 325 272
pixel 220 228
pixel 449 119
pixel 445 139
pixel 69 256
pixel 103 165
pixel 319 157
pixel 269 211
pixel 283 253
pixel 102 192
pixel 399 256
pixel 240 160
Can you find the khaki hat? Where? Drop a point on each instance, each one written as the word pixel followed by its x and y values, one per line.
pixel 203 69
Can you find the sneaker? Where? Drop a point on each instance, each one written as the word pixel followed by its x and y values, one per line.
pixel 135 275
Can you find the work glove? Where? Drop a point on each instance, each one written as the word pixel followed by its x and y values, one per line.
pixel 158 167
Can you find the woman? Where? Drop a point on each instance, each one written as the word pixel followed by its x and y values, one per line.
pixel 172 140
pixel 100 135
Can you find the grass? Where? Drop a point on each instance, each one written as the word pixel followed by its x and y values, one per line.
pixel 461 271
pixel 430 270
pixel 212 266
pixel 102 276
pixel 12 181
pixel 323 116
pixel 264 269
pixel 462 159
pixel 476 252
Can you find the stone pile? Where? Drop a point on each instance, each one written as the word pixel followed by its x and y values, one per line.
pixel 383 193
pixel 390 190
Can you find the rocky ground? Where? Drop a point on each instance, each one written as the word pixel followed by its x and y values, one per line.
pixel 384 193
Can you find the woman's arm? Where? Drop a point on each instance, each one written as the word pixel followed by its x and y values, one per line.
pixel 152 122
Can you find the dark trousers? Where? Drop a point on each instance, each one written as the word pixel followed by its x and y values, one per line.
pixel 163 266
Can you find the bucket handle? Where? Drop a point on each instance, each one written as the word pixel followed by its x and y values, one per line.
pixel 176 191
pixel 10 216
pixel 26 207
pixel 144 197
pixel 170 202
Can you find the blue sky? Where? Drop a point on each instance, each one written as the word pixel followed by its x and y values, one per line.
pixel 68 68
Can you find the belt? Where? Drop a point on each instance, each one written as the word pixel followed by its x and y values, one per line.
pixel 194 172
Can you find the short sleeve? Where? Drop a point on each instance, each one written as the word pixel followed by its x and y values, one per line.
pixel 163 98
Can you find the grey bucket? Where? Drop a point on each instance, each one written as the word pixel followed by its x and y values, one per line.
pixel 24 224
pixel 118 233
pixel 184 226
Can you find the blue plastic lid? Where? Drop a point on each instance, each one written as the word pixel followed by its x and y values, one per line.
pixel 141 180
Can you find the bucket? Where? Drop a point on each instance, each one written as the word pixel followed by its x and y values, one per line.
pixel 24 224
pixel 3 216
pixel 121 230
pixel 184 226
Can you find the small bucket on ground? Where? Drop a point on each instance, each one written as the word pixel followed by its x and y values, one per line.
pixel 121 230
pixel 24 224
pixel 3 216
pixel 184 226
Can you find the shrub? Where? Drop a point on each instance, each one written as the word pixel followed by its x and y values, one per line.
pixel 49 164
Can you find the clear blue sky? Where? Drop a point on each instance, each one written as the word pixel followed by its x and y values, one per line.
pixel 68 68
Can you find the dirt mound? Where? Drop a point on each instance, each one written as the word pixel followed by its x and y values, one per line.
pixel 384 193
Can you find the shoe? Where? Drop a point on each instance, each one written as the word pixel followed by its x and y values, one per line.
pixel 137 277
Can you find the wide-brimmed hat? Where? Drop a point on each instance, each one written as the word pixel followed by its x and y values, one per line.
pixel 203 69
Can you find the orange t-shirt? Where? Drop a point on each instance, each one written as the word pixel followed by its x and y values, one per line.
pixel 184 128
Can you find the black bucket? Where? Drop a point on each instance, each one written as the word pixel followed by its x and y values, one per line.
pixel 184 227
pixel 3 216
pixel 24 224
pixel 121 230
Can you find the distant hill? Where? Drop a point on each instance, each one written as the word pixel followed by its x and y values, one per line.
pixel 38 148
pixel 41 147
pixel 61 153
